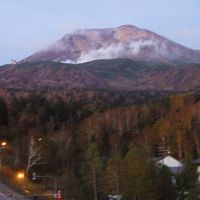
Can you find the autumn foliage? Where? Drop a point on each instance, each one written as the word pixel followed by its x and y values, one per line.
pixel 95 150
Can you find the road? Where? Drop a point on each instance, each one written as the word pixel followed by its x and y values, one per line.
pixel 3 197
pixel 8 194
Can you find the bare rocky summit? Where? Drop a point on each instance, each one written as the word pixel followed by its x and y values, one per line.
pixel 123 42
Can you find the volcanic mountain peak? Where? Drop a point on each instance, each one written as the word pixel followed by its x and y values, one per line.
pixel 128 33
pixel 126 41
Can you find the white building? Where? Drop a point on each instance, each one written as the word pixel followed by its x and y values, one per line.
pixel 197 163
pixel 173 164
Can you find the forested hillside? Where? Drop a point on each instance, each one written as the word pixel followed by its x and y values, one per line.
pixel 96 148
pixel 114 75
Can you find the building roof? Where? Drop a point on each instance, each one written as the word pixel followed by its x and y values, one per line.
pixel 169 161
pixel 197 161
pixel 173 164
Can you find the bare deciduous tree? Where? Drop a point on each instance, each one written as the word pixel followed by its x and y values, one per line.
pixel 35 155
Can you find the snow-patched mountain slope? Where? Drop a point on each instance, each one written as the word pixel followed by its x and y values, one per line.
pixel 123 42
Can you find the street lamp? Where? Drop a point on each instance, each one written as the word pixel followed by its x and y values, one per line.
pixel 2 146
pixel 20 175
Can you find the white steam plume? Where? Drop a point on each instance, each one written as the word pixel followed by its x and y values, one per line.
pixel 118 50
pixel 112 51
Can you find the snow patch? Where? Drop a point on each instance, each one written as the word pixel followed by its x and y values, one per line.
pixel 69 62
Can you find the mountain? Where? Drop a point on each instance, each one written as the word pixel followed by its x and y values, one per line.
pixel 115 75
pixel 123 42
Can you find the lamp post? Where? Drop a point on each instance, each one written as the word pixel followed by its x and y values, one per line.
pixel 21 179
pixel 2 146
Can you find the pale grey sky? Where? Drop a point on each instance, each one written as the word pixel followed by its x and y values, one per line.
pixel 29 25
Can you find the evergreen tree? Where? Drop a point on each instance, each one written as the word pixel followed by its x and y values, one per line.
pixel 3 113
pixel 112 176
pixel 187 181
pixel 164 184
pixel 139 173
pixel 92 167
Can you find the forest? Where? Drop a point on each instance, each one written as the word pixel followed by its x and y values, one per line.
pixel 99 147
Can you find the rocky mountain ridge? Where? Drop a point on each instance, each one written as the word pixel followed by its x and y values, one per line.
pixel 122 42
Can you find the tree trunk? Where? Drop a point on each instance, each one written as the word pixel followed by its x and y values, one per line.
pixel 17 157
pixel 180 155
pixel 94 184
pixel 29 156
pixel 163 146
pixel 117 182
pixel 196 140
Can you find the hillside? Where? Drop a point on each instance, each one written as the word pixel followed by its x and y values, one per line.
pixel 119 141
pixel 115 75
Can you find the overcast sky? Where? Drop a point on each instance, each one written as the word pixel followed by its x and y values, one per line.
pixel 29 25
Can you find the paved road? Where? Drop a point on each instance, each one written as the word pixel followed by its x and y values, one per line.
pixel 8 194
pixel 3 197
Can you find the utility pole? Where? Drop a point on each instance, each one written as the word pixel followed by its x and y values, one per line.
pixel 2 146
